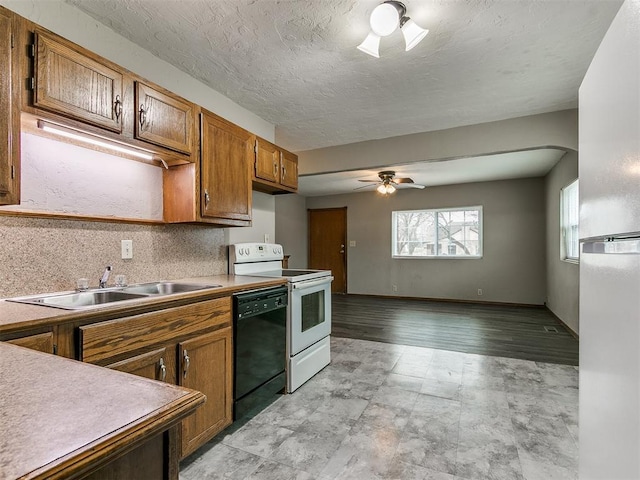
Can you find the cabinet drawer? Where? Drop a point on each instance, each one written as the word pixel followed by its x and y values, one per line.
pixel 109 339
pixel 42 342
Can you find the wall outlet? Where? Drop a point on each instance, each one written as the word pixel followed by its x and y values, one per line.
pixel 352 243
pixel 395 288
pixel 127 249
pixel 479 292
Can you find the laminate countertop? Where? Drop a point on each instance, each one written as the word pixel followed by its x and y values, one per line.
pixel 60 418
pixel 18 316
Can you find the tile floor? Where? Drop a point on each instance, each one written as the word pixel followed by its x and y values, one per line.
pixel 383 411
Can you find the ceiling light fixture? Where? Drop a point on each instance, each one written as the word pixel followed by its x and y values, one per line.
pixel 385 19
pixel 386 189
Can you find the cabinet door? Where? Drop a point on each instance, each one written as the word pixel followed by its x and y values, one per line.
pixel 10 117
pixel 224 169
pixel 76 86
pixel 288 169
pixel 267 161
pixel 151 365
pixel 42 342
pixel 163 119
pixel 206 365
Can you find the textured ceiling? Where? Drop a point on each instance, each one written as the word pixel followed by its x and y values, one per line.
pixel 294 63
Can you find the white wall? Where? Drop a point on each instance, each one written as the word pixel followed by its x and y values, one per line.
pixel 263 222
pixel 563 278
pixel 512 269
pixel 610 284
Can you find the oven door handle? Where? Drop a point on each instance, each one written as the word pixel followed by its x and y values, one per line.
pixel 312 283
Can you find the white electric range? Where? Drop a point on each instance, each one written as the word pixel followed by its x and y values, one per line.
pixel 308 313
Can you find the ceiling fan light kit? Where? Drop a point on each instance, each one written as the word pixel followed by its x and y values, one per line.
pixel 388 184
pixel 385 19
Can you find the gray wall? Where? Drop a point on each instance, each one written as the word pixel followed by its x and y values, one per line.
pixel 563 278
pixel 291 228
pixel 512 269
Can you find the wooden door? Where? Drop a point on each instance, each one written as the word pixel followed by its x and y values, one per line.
pixel 288 169
pixel 151 365
pixel 10 116
pixel 267 161
pixel 327 244
pixel 225 179
pixel 76 86
pixel 206 365
pixel 162 119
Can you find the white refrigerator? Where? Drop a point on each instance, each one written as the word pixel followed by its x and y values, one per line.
pixel 609 170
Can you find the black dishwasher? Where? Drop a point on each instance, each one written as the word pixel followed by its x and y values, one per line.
pixel 260 335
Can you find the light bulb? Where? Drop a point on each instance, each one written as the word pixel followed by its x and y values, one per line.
pixel 371 45
pixel 390 189
pixel 382 188
pixel 384 19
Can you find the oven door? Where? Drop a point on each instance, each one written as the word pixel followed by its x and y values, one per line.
pixel 310 312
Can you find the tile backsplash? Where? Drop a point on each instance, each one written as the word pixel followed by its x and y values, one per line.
pixel 49 255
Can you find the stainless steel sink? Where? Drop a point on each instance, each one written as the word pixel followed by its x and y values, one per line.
pixel 166 288
pixel 95 298
pixel 79 300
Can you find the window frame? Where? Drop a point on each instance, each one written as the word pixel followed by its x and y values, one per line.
pixel 564 251
pixel 438 256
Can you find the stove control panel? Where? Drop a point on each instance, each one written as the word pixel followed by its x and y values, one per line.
pixel 255 252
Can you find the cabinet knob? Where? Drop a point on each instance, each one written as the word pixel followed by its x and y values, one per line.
pixel 117 107
pixel 163 369
pixel 187 361
pixel 207 197
pixel 275 169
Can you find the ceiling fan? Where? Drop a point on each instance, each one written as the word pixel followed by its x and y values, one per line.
pixel 388 183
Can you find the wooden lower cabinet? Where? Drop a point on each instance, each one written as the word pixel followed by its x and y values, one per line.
pixel 42 342
pixel 206 365
pixel 190 345
pixel 151 365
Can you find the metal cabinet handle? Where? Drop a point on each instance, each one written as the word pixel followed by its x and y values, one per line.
pixel 275 169
pixel 187 361
pixel 117 107
pixel 207 198
pixel 143 116
pixel 163 370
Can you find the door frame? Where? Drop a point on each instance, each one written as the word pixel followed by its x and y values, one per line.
pixel 346 273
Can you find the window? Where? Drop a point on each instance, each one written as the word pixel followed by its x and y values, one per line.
pixel 446 233
pixel 569 222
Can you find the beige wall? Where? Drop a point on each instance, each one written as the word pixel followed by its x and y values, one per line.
pixel 512 269
pixel 48 255
pixel 563 278
pixel 556 129
pixel 291 228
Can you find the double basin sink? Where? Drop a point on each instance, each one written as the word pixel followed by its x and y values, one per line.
pixel 98 297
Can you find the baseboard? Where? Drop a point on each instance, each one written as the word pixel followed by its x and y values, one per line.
pixel 450 300
pixel 567 327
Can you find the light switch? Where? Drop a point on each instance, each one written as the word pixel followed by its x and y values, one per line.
pixel 127 249
pixel 352 243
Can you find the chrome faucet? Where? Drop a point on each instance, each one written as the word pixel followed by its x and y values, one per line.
pixel 105 277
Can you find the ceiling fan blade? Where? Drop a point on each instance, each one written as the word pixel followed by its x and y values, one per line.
pixel 365 186
pixel 403 180
pixel 370 181
pixel 413 185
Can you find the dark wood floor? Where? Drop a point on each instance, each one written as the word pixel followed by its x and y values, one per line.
pixel 505 331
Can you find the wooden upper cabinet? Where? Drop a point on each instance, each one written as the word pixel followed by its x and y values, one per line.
pixel 10 114
pixel 226 152
pixel 289 169
pixel 76 85
pixel 267 161
pixel 163 119
pixel 274 169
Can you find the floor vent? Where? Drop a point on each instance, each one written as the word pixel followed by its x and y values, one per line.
pixel 551 329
